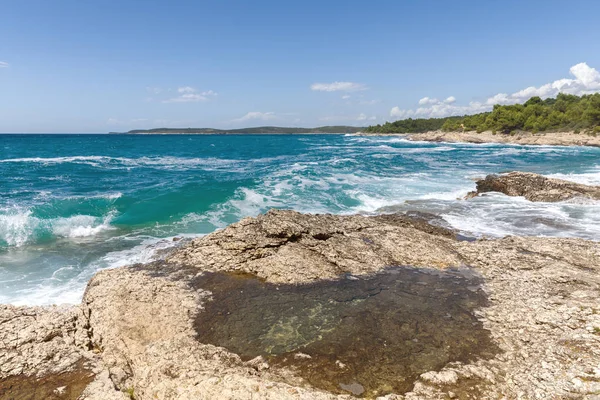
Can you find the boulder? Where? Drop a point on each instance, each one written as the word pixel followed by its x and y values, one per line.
pixel 535 187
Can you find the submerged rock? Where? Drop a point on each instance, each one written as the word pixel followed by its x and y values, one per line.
pixel 288 305
pixel 535 187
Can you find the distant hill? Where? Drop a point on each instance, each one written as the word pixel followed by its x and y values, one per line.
pixel 257 130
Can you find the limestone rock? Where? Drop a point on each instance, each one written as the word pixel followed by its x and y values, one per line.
pixel 286 246
pixel 134 333
pixel 535 187
pixel 522 138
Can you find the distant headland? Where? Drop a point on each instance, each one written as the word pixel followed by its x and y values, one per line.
pixel 256 130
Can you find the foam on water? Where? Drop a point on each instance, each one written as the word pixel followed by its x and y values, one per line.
pixel 19 226
pixel 16 226
pixel 81 226
pixel 163 162
pixel 66 213
pixel 586 178
pixel 65 285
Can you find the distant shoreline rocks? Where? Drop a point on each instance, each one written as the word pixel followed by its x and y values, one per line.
pixel 521 138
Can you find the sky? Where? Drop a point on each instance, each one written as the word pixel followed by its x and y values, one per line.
pixel 98 66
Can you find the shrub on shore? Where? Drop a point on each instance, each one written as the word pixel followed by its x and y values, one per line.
pixel 566 112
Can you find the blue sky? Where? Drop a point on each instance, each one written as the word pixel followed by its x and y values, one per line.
pixel 98 66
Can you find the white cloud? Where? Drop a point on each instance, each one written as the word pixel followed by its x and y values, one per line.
pixel 346 97
pixel 427 100
pixel 187 98
pixel 365 117
pixel 500 98
pixel 4 64
pixel 347 118
pixel 586 80
pixel 396 112
pixel 189 95
pixel 338 87
pixel 257 115
pixel 438 110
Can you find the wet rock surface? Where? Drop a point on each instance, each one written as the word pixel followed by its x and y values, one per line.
pixel 370 335
pixel 67 385
pixel 139 326
pixel 535 187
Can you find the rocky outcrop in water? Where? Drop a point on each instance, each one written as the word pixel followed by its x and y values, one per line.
pixel 535 187
pixel 173 330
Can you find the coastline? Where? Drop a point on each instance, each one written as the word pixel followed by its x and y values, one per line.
pixel 229 133
pixel 520 138
pixel 138 331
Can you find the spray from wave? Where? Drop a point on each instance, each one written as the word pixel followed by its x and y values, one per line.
pixel 65 216
pixel 19 226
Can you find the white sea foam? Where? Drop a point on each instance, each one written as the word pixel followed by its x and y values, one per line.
pixel 19 226
pixel 16 225
pixel 165 162
pixel 330 176
pixel 586 178
pixel 162 162
pixel 81 225
pixel 66 284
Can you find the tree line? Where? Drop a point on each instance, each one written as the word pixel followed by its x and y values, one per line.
pixel 566 112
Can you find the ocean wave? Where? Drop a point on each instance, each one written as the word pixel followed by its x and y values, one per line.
pixel 161 162
pixel 586 178
pixel 67 283
pixel 19 226
pixel 81 225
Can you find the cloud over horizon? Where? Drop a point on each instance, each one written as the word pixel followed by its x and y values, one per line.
pixel 257 115
pixel 338 87
pixel 190 95
pixel 4 64
pixel 586 80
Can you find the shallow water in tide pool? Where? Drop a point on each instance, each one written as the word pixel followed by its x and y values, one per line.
pixel 368 336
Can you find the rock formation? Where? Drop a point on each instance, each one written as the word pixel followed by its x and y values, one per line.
pixel 535 187
pixel 521 138
pixel 139 332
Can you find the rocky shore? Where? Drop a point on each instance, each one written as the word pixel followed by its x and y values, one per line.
pixel 522 138
pixel 272 308
pixel 535 187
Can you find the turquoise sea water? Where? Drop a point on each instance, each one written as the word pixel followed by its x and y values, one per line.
pixel 71 205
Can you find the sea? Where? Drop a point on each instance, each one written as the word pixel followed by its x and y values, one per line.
pixel 72 205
